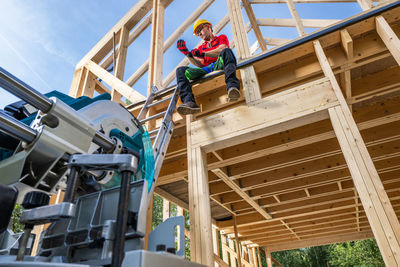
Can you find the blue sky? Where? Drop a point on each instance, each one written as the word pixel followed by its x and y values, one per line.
pixel 41 41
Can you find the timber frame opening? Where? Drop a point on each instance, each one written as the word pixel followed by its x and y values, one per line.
pixel 309 155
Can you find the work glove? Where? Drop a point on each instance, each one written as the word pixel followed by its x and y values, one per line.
pixel 196 52
pixel 181 45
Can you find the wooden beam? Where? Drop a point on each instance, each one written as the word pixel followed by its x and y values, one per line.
pixel 119 69
pixel 384 225
pixel 223 176
pixel 149 223
pixel 383 220
pixel 296 17
pixel 389 37
pixel 254 24
pixel 268 258
pixel 199 203
pixel 89 85
pixel 239 255
pixel 156 46
pixel 220 262
pixel 114 82
pixel 249 79
pixel 244 123
pixel 77 82
pixel 164 194
pixel 318 241
pixel 165 209
pixel 277 41
pixel 225 256
pixel 366 4
pixel 308 23
pixel 135 33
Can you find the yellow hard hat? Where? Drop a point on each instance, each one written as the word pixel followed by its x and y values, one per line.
pixel 198 23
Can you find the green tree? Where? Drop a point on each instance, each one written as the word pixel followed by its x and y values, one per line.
pixel 15 224
pixel 360 253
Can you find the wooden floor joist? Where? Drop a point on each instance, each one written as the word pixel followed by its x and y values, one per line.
pixel 310 155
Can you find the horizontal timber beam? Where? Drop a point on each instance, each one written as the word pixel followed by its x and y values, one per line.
pixel 244 123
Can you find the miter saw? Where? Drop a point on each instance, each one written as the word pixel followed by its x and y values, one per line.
pixel 103 158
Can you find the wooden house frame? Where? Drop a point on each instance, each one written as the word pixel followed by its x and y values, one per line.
pixel 309 155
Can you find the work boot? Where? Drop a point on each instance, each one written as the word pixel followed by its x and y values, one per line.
pixel 188 108
pixel 233 94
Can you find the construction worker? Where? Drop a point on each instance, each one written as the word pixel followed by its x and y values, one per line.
pixel 213 54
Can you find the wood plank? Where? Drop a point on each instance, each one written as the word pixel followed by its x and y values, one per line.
pixel 299 24
pixel 254 24
pixel 308 23
pixel 114 82
pixel 165 209
pixel 220 262
pixel 164 194
pixel 156 46
pixel 381 224
pixel 135 33
pixel 250 83
pixel 389 37
pixel 239 255
pixel 119 69
pixel 199 203
pixel 75 84
pixel 223 176
pixel 251 87
pixel 244 123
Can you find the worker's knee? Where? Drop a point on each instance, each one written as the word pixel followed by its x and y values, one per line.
pixel 180 72
pixel 228 56
pixel 227 52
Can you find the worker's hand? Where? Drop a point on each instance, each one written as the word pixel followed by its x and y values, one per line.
pixel 196 52
pixel 181 44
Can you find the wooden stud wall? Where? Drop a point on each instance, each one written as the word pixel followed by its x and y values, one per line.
pixel 309 156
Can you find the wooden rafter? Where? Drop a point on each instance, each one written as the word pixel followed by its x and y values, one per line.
pixel 254 24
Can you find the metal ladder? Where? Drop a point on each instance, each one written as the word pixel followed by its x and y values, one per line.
pixel 162 135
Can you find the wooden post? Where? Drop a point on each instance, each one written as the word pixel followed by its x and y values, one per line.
pixel 89 84
pixel 149 223
pixel 252 18
pixel 239 256
pixel 233 254
pixel 259 257
pixel 119 68
pixel 383 224
pixel 215 243
pixel 376 203
pixel 156 46
pixel 166 209
pixel 389 37
pixel 201 250
pixel 77 82
pixel 249 79
pixel 225 257
pixel 268 258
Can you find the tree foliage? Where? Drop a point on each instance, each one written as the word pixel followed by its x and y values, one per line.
pixel 15 224
pixel 362 253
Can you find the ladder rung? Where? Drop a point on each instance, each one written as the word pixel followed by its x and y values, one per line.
pixel 154 131
pixel 159 102
pixel 158 115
